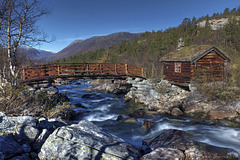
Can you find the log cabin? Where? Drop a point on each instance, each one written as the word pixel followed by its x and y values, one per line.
pixel 195 63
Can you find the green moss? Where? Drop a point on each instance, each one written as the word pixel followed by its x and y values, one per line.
pixel 130 120
pixel 230 123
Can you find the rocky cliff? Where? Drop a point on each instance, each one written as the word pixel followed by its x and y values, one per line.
pixel 215 24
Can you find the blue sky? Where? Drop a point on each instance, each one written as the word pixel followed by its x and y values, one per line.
pixel 70 20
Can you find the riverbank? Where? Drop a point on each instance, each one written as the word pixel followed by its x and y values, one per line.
pixel 53 138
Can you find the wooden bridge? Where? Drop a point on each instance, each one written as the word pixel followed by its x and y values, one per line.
pixel 52 71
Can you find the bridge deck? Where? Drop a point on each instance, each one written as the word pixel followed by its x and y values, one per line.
pixel 52 71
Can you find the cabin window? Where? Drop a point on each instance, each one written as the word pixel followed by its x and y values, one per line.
pixel 178 67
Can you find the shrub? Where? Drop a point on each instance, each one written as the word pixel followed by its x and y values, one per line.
pixel 223 91
pixel 162 88
pixel 13 98
pixel 50 102
pixel 64 111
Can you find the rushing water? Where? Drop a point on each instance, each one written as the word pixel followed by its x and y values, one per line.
pixel 104 108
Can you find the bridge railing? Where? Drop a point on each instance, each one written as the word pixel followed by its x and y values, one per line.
pixel 80 70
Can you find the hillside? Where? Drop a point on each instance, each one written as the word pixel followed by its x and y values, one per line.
pixel 91 44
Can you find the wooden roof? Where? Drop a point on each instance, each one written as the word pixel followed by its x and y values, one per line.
pixel 193 53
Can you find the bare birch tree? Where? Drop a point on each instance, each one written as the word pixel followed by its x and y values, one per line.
pixel 18 28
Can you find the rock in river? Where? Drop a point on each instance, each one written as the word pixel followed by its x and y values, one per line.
pixel 51 90
pixel 138 113
pixel 85 141
pixel 174 144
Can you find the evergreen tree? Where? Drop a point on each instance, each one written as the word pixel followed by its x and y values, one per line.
pixel 232 32
pixel 226 11
pixel 207 26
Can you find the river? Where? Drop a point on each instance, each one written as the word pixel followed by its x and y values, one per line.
pixel 103 109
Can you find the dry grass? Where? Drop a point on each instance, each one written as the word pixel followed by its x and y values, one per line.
pixel 187 53
pixel 223 92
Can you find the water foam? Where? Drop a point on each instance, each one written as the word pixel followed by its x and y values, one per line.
pixel 103 108
pixel 99 117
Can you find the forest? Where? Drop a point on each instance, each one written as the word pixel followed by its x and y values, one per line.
pixel 146 50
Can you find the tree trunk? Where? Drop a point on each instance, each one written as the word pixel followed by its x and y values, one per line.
pixel 9 53
pixel 12 66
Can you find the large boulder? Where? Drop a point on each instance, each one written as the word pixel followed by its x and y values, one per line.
pixel 17 135
pixel 24 127
pixel 24 156
pixel 164 154
pixel 85 141
pixel 223 112
pixel 9 147
pixel 176 144
pixel 194 109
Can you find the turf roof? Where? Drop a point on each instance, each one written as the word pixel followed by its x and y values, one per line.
pixel 186 53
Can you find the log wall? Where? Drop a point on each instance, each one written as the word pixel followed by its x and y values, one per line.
pixel 170 74
pixel 210 68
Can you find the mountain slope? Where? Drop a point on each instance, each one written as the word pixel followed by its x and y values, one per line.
pixel 91 44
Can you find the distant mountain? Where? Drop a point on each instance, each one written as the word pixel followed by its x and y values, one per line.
pixel 43 54
pixel 91 44
pixel 35 54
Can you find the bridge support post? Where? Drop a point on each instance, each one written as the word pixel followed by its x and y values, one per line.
pixel 126 69
pixel 74 70
pixel 100 67
pixel 58 69
pixel 116 69
pixel 45 70
pixel 23 74
pixel 87 69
